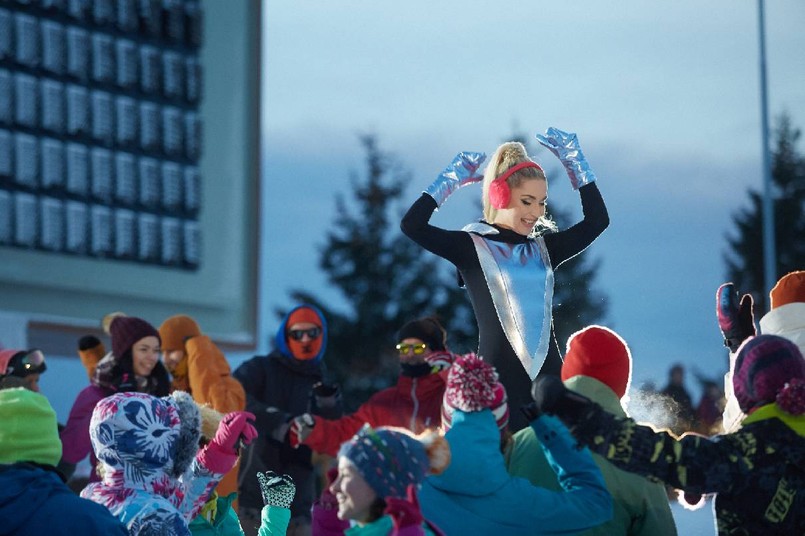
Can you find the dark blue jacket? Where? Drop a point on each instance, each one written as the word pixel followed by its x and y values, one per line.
pixel 34 501
pixel 279 387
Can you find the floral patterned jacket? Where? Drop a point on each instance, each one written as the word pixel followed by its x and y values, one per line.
pixel 146 447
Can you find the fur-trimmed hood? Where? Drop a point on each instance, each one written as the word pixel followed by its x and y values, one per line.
pixel 144 442
pixel 146 447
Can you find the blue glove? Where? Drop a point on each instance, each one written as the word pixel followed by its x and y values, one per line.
pixel 565 145
pixel 461 172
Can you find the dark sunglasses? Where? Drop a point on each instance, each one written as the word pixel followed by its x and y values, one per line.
pixel 418 349
pixel 298 334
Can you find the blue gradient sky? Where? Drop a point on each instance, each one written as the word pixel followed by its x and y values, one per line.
pixel 664 98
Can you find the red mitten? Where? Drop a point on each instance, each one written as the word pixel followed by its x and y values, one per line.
pixel 404 512
pixel 234 431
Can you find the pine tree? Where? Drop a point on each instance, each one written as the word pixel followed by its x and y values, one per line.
pixel 744 258
pixel 385 280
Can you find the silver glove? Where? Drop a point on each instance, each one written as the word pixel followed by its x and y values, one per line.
pixel 461 172
pixel 565 145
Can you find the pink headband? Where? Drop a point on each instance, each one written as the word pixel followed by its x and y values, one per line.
pixel 514 169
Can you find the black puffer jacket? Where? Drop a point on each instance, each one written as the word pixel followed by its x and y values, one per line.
pixel 278 388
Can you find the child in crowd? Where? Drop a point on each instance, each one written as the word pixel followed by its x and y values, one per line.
pixel 475 494
pixel 154 477
pixel 378 473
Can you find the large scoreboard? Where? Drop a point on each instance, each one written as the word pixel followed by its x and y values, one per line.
pixel 130 163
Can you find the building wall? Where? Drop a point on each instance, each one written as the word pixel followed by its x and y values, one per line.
pixel 59 277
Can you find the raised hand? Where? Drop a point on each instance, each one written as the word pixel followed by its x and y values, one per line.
pixel 300 428
pixel 463 170
pixel 277 490
pixel 735 320
pixel 565 145
pixel 234 431
pixel 552 397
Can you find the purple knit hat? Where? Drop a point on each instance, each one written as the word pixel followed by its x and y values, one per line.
pixel 127 330
pixel 769 369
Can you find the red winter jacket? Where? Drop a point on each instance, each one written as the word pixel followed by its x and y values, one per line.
pixel 414 403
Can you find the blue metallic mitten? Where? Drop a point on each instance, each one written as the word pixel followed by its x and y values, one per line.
pixel 461 172
pixel 565 145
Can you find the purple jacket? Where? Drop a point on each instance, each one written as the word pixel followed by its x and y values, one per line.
pixel 75 435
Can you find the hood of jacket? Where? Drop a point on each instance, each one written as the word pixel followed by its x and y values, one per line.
pixel 143 442
pixel 598 392
pixel 786 321
pixel 772 411
pixel 281 343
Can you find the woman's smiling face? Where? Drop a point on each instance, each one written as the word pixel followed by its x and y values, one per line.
pixel 526 207
pixel 144 355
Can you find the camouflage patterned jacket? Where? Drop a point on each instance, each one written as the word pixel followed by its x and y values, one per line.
pixel 758 472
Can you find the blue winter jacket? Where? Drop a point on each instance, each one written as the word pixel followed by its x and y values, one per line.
pixel 34 501
pixel 476 495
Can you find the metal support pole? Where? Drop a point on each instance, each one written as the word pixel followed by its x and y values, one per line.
pixel 769 253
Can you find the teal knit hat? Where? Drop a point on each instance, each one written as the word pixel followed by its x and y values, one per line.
pixel 28 428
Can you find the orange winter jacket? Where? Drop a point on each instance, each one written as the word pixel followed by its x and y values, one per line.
pixel 209 380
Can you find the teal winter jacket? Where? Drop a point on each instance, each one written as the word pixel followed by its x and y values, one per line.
pixel 476 495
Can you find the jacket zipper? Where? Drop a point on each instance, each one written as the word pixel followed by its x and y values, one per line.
pixel 416 406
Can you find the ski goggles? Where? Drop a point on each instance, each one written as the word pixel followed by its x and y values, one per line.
pixel 418 349
pixel 298 334
pixel 26 362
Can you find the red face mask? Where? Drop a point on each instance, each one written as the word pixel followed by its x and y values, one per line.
pixel 307 347
pixel 304 334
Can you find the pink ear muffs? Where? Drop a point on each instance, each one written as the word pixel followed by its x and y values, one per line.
pixel 499 192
